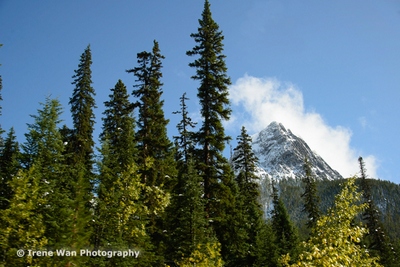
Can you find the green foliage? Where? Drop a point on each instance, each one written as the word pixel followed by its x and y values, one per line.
pixel 22 224
pixel 187 225
pixel 286 237
pixel 184 141
pixel 9 166
pixel 267 252
pixel 185 206
pixel 82 104
pixel 152 133
pixel 218 179
pixel 121 214
pixel 335 239
pixel 151 137
pixel 311 200
pixel 376 240
pixel 248 212
pixel 213 95
pixel 118 129
pixel 204 255
pixel 244 159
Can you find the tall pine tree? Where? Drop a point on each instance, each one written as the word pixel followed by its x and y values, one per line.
pixel 376 239
pixel 82 104
pixel 217 175
pixel 251 215
pixel 187 225
pixel 79 152
pixel 9 166
pixel 184 141
pixel 151 136
pixel 44 178
pixel 211 71
pixel 311 199
pixel 119 127
pixel 286 238
pixel 156 157
pixel 120 212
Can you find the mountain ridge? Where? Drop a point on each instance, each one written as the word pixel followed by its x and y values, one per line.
pixel 281 155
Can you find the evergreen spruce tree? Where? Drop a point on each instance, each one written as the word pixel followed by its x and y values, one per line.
pixel 1 99
pixel 22 224
pixel 267 252
pixel 9 166
pixel 244 159
pixel 82 104
pixel 188 229
pixel 184 141
pixel 187 225
pixel 120 212
pixel 119 127
pixel 79 154
pixel 311 199
pixel 44 175
pixel 156 157
pixel 217 175
pixel 251 215
pixel 376 239
pixel 286 237
pixel 213 95
pixel 151 135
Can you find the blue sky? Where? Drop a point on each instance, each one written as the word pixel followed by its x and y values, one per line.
pixel 328 70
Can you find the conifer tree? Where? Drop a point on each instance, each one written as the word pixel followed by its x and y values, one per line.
pixel 311 199
pixel 335 238
pixel 9 166
pixel 184 141
pixel 1 129
pixel 187 225
pixel 118 128
pixel 213 95
pixel 151 134
pixel 248 206
pixel 1 99
pixel 82 104
pixel 22 224
pixel 217 175
pixel 79 155
pixel 376 239
pixel 45 176
pixel 286 237
pixel 267 252
pixel 244 159
pixel 156 157
pixel 43 141
pixel 120 213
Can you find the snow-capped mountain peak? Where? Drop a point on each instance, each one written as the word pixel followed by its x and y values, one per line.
pixel 281 154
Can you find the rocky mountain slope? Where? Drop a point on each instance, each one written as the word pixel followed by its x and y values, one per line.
pixel 281 155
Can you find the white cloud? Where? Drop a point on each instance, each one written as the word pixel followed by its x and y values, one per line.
pixel 264 100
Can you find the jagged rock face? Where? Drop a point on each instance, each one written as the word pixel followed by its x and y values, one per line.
pixel 281 155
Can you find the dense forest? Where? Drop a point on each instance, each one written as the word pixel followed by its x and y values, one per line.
pixel 176 202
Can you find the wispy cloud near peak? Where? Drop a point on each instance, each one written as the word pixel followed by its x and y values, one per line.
pixel 259 101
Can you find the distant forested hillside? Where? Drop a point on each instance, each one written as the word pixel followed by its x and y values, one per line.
pixel 385 194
